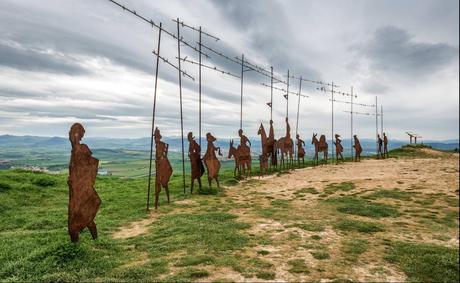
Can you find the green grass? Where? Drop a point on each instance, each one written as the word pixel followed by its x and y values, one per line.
pixel 411 151
pixel 298 266
pixel 333 187
pixel 394 194
pixel 359 206
pixel 35 246
pixel 358 226
pixel 352 248
pixel 315 226
pixel 320 255
pixel 266 275
pixel 303 191
pixel 425 262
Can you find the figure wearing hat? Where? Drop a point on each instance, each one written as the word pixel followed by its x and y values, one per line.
pixel 338 148
pixel 194 153
pixel 300 150
pixel 84 201
pixel 358 148
pixel 385 145
pixel 163 169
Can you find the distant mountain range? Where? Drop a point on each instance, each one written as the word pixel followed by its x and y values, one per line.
pixel 62 144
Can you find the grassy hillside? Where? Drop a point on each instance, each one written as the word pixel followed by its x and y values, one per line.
pixel 202 235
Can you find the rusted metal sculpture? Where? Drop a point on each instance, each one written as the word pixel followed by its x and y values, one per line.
pixel 210 159
pixel 338 148
pixel 385 145
pixel 84 201
pixel 244 154
pixel 358 148
pixel 320 146
pixel 286 146
pixel 271 146
pixel 196 165
pixel 163 169
pixel 300 150
pixel 379 148
pixel 233 152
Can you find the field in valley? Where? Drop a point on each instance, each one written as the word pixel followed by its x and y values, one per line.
pixel 376 220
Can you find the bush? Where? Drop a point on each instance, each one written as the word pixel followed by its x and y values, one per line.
pixel 4 187
pixel 44 181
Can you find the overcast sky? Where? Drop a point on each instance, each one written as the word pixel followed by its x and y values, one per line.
pixel 88 61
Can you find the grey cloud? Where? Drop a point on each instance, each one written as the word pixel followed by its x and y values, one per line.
pixel 35 60
pixel 393 50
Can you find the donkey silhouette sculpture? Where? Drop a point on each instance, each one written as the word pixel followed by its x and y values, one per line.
pixel 320 146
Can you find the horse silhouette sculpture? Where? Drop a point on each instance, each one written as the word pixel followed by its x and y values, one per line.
pixel 163 169
pixel 84 201
pixel 271 150
pixel 233 152
pixel 267 149
pixel 358 148
pixel 320 146
pixel 300 150
pixel 211 161
pixel 286 146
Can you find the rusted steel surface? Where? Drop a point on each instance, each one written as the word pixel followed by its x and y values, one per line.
pixel 320 146
pixel 163 169
pixel 358 148
pixel 84 201
pixel 210 159
pixel 338 148
pixel 286 146
pixel 379 148
pixel 244 154
pixel 300 149
pixel 196 165
pixel 385 145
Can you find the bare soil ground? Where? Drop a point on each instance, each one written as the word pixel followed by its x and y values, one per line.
pixel 301 223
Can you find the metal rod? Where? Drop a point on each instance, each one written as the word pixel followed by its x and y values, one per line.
pixel 180 97
pixel 297 120
pixel 153 120
pixel 376 126
pixel 381 121
pixel 351 123
pixel 184 73
pixel 197 29
pixel 199 88
pixel 153 24
pixel 332 136
pixel 271 93
pixel 241 100
pixel 214 68
pixel 287 96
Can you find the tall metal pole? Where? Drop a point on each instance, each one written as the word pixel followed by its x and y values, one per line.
pixel 241 100
pixel 332 140
pixel 376 126
pixel 180 96
pixel 153 118
pixel 287 96
pixel 199 88
pixel 271 94
pixel 297 120
pixel 351 124
pixel 381 121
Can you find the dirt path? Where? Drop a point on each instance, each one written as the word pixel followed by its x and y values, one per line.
pixel 294 227
pixel 424 177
